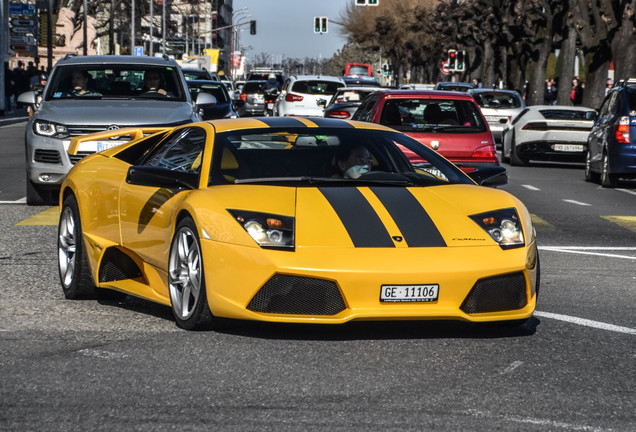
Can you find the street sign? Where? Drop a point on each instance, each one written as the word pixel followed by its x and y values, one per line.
pixel 20 9
pixel 22 30
pixel 22 22
pixel 23 47
pixel 22 40
pixel 139 50
pixel 444 68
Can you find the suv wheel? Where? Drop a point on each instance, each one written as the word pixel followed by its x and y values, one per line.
pixel 608 179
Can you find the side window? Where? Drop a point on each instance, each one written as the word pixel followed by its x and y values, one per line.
pixel 363 113
pixel 180 152
pixel 605 112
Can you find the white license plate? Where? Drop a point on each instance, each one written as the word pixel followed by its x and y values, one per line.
pixel 409 293
pixel 568 147
pixel 496 119
pixel 270 106
pixel 259 98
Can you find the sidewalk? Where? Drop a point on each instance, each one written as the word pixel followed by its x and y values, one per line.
pixel 18 115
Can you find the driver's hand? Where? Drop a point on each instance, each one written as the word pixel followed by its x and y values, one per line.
pixel 356 171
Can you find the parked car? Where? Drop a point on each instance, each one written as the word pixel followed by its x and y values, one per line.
pixel 251 101
pixel 244 219
pixel 115 98
pixel 221 107
pixel 454 86
pixel 548 132
pixel 346 101
pixel 611 145
pixel 306 95
pixel 199 74
pixel 499 107
pixel 449 122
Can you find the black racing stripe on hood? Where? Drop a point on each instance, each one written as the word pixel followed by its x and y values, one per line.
pixel 329 122
pixel 416 226
pixel 282 122
pixel 358 217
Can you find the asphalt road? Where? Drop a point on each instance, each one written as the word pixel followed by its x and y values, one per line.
pixel 88 365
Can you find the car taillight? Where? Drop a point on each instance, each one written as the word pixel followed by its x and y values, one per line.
pixel 293 98
pixel 621 130
pixel 485 152
pixel 243 96
pixel 338 114
pixel 536 126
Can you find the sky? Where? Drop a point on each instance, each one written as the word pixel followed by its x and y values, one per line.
pixel 285 28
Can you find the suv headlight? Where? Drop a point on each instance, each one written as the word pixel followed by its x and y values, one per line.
pixel 270 231
pixel 50 129
pixel 503 226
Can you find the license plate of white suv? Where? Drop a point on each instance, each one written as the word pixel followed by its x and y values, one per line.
pixel 568 147
pixel 409 293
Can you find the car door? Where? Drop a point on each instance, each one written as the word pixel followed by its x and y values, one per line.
pixel 147 214
pixel 600 129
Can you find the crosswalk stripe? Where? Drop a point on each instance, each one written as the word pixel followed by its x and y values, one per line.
pixel 49 216
pixel 628 222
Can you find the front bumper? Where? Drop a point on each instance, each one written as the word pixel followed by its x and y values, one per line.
pixel 235 275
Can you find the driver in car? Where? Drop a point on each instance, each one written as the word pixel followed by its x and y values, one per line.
pixel 353 161
pixel 152 84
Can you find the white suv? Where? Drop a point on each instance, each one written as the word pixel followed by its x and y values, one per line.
pixel 306 95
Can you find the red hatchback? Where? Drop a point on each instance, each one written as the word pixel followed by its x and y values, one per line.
pixel 449 122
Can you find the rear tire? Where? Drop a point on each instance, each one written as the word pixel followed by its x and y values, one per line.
pixel 590 176
pixel 608 179
pixel 516 160
pixel 72 263
pixel 186 278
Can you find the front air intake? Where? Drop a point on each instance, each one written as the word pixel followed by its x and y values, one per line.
pixel 284 294
pixel 495 294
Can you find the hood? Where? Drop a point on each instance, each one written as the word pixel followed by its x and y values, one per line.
pixel 96 112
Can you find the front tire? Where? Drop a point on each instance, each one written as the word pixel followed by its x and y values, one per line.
pixel 186 278
pixel 72 263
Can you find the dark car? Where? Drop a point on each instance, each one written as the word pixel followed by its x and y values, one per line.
pixel 454 86
pixel 346 101
pixel 359 80
pixel 252 100
pixel 223 108
pixel 449 122
pixel 199 74
pixel 611 145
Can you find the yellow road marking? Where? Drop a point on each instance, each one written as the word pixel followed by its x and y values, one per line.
pixel 541 224
pixel 628 222
pixel 49 216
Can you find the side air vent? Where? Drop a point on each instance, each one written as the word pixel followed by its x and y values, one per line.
pixel 116 265
pixel 499 293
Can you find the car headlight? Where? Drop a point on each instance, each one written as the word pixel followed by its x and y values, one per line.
pixel 268 230
pixel 503 226
pixel 50 129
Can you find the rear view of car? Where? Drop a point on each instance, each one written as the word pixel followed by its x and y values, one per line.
pixel 499 107
pixel 611 153
pixel 548 133
pixel 449 122
pixel 346 101
pixel 251 101
pixel 306 95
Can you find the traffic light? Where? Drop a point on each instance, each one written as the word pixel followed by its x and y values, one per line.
pixel 460 60
pixel 253 27
pixel 323 24
pixel 316 24
pixel 373 2
pixel 452 59
pixel 361 2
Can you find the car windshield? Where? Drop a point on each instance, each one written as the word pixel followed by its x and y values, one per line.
pixel 497 100
pixel 254 87
pixel 349 95
pixel 297 157
pixel 215 89
pixel 114 81
pixel 316 87
pixel 432 115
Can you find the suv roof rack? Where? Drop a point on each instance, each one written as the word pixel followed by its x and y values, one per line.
pixel 625 82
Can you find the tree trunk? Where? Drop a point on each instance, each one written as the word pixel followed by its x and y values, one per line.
pixel 567 57
pixel 624 45
pixel 488 69
pixel 595 78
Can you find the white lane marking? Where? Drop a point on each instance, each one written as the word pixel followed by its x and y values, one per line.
pixel 626 191
pixel 546 424
pixel 583 252
pixel 576 202
pixel 586 322
pixel 625 248
pixel 514 365
pixel 108 355
pixel 20 201
pixel 532 188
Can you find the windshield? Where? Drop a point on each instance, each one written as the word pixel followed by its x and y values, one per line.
pixel 216 90
pixel 431 115
pixel 332 155
pixel 497 100
pixel 116 82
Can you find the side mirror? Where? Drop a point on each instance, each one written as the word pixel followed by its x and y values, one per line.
pixel 27 98
pixel 321 102
pixel 143 175
pixel 491 176
pixel 205 99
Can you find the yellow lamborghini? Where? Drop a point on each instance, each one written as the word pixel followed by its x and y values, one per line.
pixel 304 220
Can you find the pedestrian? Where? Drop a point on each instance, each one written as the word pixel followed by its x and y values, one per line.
pixel 550 94
pixel 609 85
pixel 576 93
pixel 8 88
